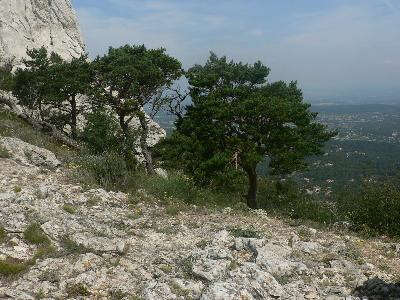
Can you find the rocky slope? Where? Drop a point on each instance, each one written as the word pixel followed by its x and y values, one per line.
pixel 58 241
pixel 36 23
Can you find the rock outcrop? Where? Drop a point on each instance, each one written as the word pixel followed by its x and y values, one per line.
pixel 59 241
pixel 36 23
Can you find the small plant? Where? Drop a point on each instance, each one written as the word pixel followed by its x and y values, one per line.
pixel 166 268
pixel 172 210
pixel 17 189
pixel 93 201
pixel 202 244
pixel 116 295
pixel 69 208
pixel 233 265
pixel 11 267
pixel 178 290
pixel 304 233
pixel 187 266
pixel 3 234
pixel 76 290
pixel 44 251
pixel 245 233
pixel 35 235
pixel 39 295
pixel 72 247
pixel 4 153
pixel 50 276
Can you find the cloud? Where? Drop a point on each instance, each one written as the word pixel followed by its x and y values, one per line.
pixel 347 46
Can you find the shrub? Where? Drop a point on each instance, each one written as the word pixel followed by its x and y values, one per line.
pixel 71 247
pixel 375 208
pixel 17 189
pixel 3 234
pixel 76 290
pixel 69 208
pixel 11 267
pixel 182 188
pixel 35 235
pixel 108 170
pixel 101 133
pixel 287 199
pixel 4 153
pixel 245 233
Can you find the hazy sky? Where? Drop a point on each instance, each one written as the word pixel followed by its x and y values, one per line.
pixel 331 46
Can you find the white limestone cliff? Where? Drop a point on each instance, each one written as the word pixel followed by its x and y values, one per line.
pixel 28 24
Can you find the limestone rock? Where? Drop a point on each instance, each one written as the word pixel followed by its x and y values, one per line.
pixel 109 251
pixel 28 24
pixel 28 154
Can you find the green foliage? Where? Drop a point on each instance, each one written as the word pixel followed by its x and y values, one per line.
pixel 3 234
pixel 4 153
pixel 179 187
pixel 287 199
pixel 50 85
pixel 69 208
pixel 374 208
pixel 10 267
pixel 130 78
pixel 6 77
pixel 102 133
pixel 17 189
pixel 32 84
pixel 76 290
pixel 109 170
pixel 70 79
pixel 245 233
pixel 237 119
pixel 34 234
pixel 71 247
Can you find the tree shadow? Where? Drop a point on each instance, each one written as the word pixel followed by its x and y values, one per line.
pixel 377 288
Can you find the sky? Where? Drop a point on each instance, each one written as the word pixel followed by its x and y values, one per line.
pixel 331 47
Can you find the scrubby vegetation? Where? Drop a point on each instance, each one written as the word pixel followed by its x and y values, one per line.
pixel 236 121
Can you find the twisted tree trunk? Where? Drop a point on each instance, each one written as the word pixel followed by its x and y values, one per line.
pixel 143 143
pixel 253 186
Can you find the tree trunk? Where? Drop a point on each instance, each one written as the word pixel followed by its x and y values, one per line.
pixel 124 126
pixel 73 117
pixel 252 192
pixel 143 143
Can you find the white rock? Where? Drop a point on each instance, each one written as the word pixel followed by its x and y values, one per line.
pixel 28 154
pixel 36 23
pixel 161 172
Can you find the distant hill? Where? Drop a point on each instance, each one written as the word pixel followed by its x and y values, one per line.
pixel 355 108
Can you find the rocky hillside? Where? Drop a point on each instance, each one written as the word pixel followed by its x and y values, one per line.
pixel 59 241
pixel 36 23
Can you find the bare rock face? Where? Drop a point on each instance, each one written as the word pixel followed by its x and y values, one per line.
pixel 28 154
pixel 36 23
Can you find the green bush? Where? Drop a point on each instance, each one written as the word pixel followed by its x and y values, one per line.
pixel 287 199
pixel 10 267
pixel 374 208
pixel 3 234
pixel 108 170
pixel 35 235
pixel 4 153
pixel 101 133
pixel 13 126
pixel 182 188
